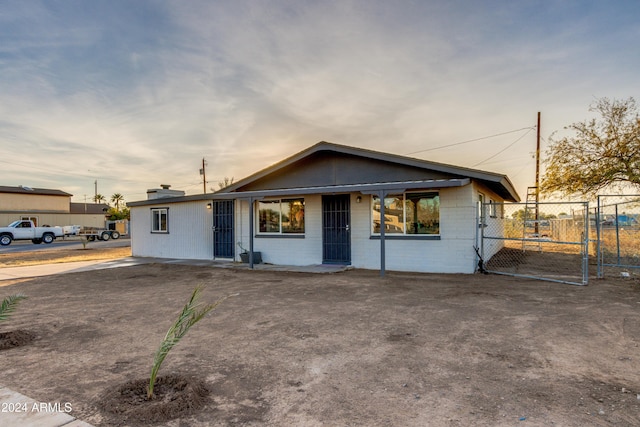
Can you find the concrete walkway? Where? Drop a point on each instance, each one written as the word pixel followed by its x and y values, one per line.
pixel 20 411
pixel 10 273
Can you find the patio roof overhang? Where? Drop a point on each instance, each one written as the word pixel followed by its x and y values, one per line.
pixel 354 188
pixel 370 188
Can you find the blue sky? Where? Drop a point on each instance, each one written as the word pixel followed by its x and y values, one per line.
pixel 134 94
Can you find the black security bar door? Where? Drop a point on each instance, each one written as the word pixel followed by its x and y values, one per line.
pixel 223 246
pixel 336 235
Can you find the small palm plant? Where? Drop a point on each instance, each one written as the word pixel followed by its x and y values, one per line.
pixel 9 305
pixel 190 315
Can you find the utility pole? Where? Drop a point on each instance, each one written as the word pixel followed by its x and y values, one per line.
pixel 203 172
pixel 538 175
pixel 95 195
pixel 538 160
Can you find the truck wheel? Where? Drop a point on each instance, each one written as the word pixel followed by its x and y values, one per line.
pixel 36 241
pixel 5 240
pixel 105 236
pixel 48 238
pixel 115 235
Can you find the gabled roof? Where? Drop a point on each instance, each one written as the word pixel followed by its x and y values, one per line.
pixel 29 190
pixel 498 183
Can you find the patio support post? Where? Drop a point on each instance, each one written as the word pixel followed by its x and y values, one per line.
pixel 381 195
pixel 251 232
pixel 213 228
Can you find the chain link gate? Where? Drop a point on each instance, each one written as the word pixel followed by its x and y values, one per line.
pixel 617 222
pixel 546 241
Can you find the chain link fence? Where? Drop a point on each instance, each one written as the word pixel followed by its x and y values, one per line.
pixel 547 241
pixel 618 235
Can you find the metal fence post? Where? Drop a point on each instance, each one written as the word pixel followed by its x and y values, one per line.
pixel 585 258
pixel 600 273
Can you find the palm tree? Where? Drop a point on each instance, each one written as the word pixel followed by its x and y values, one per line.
pixel 117 198
pixel 99 198
pixel 9 304
pixel 190 315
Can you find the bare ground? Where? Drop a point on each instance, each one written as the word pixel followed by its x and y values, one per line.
pixel 347 349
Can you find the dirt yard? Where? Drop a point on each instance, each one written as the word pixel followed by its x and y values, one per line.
pixel 345 349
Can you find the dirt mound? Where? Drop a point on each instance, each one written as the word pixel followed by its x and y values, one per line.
pixel 15 338
pixel 174 396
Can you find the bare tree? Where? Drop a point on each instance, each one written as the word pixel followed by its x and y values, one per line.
pixel 603 153
pixel 225 183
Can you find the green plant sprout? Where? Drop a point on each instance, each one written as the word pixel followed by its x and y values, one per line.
pixel 9 305
pixel 192 312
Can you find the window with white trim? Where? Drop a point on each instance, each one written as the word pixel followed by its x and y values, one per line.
pixel 281 216
pixel 411 213
pixel 159 220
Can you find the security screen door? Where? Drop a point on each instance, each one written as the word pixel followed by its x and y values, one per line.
pixel 223 246
pixel 336 234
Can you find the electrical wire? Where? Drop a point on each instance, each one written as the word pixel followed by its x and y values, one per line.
pixel 471 140
pixel 504 149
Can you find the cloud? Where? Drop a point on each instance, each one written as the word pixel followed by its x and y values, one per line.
pixel 135 94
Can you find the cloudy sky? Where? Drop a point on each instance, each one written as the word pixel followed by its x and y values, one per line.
pixel 133 94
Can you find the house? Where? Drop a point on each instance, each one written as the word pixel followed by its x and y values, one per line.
pixel 329 204
pixel 47 206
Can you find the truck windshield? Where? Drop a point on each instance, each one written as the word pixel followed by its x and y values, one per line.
pixel 14 223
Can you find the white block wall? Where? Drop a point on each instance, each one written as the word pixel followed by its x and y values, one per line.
pixel 285 250
pixel 190 232
pixel 453 253
pixel 190 235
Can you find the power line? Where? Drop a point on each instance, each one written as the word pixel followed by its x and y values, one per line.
pixel 472 140
pixel 504 149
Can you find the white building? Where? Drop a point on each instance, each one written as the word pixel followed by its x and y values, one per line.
pixel 322 205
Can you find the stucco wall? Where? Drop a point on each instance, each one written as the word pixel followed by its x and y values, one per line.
pixel 34 202
pixel 60 219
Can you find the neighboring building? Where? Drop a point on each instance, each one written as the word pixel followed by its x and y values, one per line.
pixel 323 205
pixel 16 199
pixel 47 207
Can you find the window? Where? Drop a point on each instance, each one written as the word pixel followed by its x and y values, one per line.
pixel 31 218
pixel 160 220
pixel 481 209
pixel 492 209
pixel 284 216
pixel 497 210
pixel 408 214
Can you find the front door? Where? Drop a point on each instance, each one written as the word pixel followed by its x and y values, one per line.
pixel 223 246
pixel 336 235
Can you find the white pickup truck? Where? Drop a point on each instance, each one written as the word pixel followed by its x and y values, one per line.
pixel 26 230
